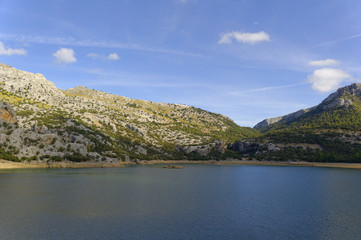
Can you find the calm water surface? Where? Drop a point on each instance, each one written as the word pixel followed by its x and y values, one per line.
pixel 197 202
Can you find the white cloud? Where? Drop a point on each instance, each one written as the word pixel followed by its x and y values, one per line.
pixel 323 63
pixel 327 79
pixel 10 51
pixel 265 89
pixel 252 38
pixel 113 57
pixel 93 55
pixel 64 55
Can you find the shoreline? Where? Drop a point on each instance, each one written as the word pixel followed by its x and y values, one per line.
pixel 36 165
pixel 255 163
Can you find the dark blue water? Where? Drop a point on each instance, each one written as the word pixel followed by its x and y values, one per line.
pixel 197 202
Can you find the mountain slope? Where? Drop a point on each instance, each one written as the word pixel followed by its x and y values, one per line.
pixel 330 131
pixel 340 110
pixel 81 124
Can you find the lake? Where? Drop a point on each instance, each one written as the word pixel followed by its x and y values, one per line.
pixel 197 202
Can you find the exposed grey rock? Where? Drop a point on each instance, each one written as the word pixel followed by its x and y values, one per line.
pixel 247 147
pixel 30 85
pixel 353 89
pixel 204 150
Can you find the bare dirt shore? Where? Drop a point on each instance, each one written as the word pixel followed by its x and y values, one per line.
pixel 18 165
pixel 262 163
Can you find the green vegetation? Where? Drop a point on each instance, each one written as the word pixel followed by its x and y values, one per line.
pixel 8 155
pixel 24 113
pixel 348 118
pixel 332 146
pixel 15 99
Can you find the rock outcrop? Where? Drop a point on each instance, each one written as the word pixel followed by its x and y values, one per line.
pixel 342 97
pixel 7 113
pixel 204 150
pixel 251 147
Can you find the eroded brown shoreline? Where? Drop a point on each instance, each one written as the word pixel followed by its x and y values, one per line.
pixel 24 165
pixel 261 163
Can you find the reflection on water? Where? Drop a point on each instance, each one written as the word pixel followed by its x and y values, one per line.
pixel 197 202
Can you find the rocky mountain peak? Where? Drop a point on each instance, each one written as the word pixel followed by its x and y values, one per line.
pixel 29 85
pixel 342 96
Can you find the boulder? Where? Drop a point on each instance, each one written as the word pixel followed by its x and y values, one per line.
pixel 7 114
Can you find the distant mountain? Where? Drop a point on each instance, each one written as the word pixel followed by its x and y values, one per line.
pixel 38 121
pixel 330 131
pixel 341 109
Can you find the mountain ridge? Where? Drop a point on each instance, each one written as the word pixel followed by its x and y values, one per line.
pixel 343 97
pixel 39 122
pixel 80 123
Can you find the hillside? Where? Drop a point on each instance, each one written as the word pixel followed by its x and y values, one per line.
pixel 81 124
pixel 330 131
pixel 340 110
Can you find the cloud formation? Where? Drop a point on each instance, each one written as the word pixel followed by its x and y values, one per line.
pixel 250 38
pixel 64 56
pixel 89 43
pixel 324 63
pixel 265 89
pixel 93 55
pixel 113 57
pixel 10 51
pixel 327 79
pixel 337 41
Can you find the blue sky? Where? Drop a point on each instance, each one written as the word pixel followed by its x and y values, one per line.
pixel 247 59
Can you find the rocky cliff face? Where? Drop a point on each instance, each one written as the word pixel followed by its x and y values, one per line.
pixel 83 124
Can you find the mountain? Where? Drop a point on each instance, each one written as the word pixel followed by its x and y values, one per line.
pixel 341 109
pixel 330 131
pixel 39 121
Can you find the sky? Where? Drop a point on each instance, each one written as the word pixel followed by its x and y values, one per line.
pixel 246 59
